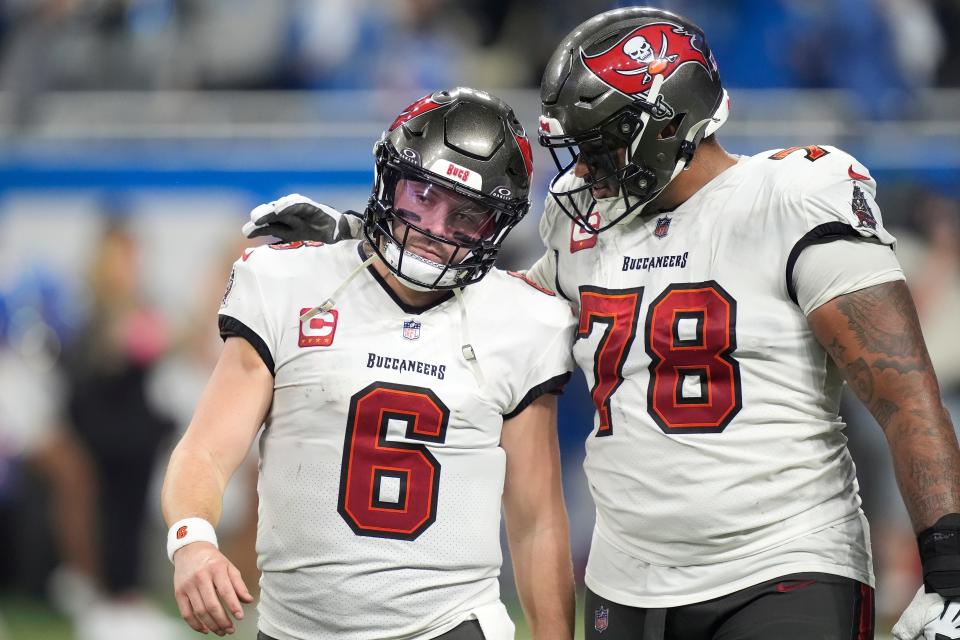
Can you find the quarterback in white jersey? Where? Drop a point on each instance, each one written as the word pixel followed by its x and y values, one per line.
pixel 401 408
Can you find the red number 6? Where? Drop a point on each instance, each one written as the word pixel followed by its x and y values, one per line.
pixel 389 488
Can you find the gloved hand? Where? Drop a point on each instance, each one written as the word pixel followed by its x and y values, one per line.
pixel 929 617
pixel 296 217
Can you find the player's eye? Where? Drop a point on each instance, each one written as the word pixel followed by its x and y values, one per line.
pixel 409 216
pixel 471 225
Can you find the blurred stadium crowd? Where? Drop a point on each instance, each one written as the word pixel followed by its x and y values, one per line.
pixel 115 240
pixel 880 49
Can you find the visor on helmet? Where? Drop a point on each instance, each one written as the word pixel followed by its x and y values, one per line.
pixel 432 232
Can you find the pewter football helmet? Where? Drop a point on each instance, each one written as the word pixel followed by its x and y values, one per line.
pixel 637 81
pixel 467 142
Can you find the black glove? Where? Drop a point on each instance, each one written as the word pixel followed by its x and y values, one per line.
pixel 296 217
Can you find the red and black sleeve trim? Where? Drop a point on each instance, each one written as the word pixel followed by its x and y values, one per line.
pixel 231 327
pixel 554 385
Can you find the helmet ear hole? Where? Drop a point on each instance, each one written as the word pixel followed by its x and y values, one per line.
pixel 670 131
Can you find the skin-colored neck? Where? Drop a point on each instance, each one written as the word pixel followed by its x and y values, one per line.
pixel 709 161
pixel 408 295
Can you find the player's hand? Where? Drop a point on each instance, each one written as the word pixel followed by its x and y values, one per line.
pixel 297 217
pixel 204 582
pixel 929 617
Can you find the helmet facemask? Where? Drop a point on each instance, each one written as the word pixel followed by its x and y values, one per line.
pixel 625 156
pixel 431 232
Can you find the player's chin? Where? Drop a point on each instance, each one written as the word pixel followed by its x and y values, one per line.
pixel 439 259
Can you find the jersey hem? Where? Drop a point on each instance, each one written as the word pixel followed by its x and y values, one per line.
pixel 609 539
pixel 663 602
pixel 269 629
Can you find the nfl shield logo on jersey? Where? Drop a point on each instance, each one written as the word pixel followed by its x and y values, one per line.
pixel 663 227
pixel 601 619
pixel 411 329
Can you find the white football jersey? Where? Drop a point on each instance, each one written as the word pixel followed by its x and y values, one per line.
pixel 381 472
pixel 716 437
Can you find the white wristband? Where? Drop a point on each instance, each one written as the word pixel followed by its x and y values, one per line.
pixel 187 531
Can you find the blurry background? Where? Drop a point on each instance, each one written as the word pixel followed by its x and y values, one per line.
pixel 135 135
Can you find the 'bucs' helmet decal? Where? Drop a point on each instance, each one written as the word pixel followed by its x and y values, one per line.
pixel 659 48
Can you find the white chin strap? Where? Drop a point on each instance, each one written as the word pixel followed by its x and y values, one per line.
pixel 418 268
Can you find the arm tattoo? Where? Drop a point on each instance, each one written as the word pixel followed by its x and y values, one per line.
pixel 861 379
pixel 883 411
pixel 899 367
pixel 874 337
pixel 885 322
pixel 837 350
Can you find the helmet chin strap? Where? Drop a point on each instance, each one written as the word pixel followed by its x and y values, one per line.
pixel 331 301
pixel 418 269
pixel 652 94
pixel 677 170
pixel 469 354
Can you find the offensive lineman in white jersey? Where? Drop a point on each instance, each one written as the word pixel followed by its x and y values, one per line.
pixel 402 406
pixel 722 303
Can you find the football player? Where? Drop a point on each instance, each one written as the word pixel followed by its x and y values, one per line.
pixel 723 301
pixel 401 408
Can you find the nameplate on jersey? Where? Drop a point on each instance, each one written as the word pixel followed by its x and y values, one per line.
pixel 581 239
pixel 676 261
pixel 319 330
pixel 406 365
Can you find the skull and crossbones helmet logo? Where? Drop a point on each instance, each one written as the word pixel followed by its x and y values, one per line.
pixel 640 50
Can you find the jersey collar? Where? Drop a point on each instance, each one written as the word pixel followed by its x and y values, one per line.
pixel 406 308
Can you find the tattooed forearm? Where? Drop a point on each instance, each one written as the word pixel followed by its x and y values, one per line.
pixel 883 411
pixel 900 366
pixel 874 337
pixel 927 481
